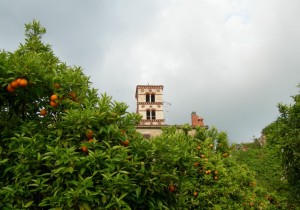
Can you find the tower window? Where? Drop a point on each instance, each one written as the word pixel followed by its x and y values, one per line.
pixel 147 97
pixel 150 97
pixel 151 115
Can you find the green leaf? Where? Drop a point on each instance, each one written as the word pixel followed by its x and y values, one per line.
pixel 8 189
pixel 55 171
pixel 3 161
pixel 39 156
pixel 138 192
pixel 84 207
pixel 124 172
pixel 103 199
pixel 28 204
pixel 71 169
pixel 121 197
pixel 109 205
pixel 59 132
pixel 82 170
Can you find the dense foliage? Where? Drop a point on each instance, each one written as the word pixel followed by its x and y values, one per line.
pixel 276 159
pixel 265 162
pixel 64 147
pixel 284 136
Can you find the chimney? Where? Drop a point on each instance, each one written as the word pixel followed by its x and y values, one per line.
pixel 196 120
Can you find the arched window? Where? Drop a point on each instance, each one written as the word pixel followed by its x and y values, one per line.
pixel 148 115
pixel 150 97
pixel 151 115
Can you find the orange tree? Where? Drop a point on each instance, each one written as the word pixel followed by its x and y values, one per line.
pixel 60 143
pixel 201 172
pixel 64 147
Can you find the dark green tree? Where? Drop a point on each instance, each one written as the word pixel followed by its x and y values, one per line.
pixel 284 135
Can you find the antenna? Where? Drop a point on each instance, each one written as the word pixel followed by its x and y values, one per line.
pixel 166 105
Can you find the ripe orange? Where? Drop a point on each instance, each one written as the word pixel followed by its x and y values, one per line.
pixel 253 184
pixel 207 172
pixel 91 140
pixel 126 143
pixel 215 178
pixel 195 194
pixel 10 88
pixel 216 172
pixel 43 112
pixel 89 134
pixel 56 85
pixel 18 81
pixel 198 147
pixel 14 84
pixel 53 97
pixel 202 156
pixel 23 82
pixel 172 188
pixel 196 164
pixel 73 95
pixel 53 103
pixel 84 149
pixel 225 154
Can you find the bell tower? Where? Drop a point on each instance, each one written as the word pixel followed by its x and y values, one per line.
pixel 149 100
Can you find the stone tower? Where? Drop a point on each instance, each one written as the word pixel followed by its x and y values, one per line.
pixel 149 100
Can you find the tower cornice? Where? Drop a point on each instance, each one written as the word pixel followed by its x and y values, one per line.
pixel 147 87
pixel 150 103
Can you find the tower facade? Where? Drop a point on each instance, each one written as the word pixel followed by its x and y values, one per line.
pixel 150 104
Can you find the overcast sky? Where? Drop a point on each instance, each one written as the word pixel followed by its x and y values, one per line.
pixel 230 61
